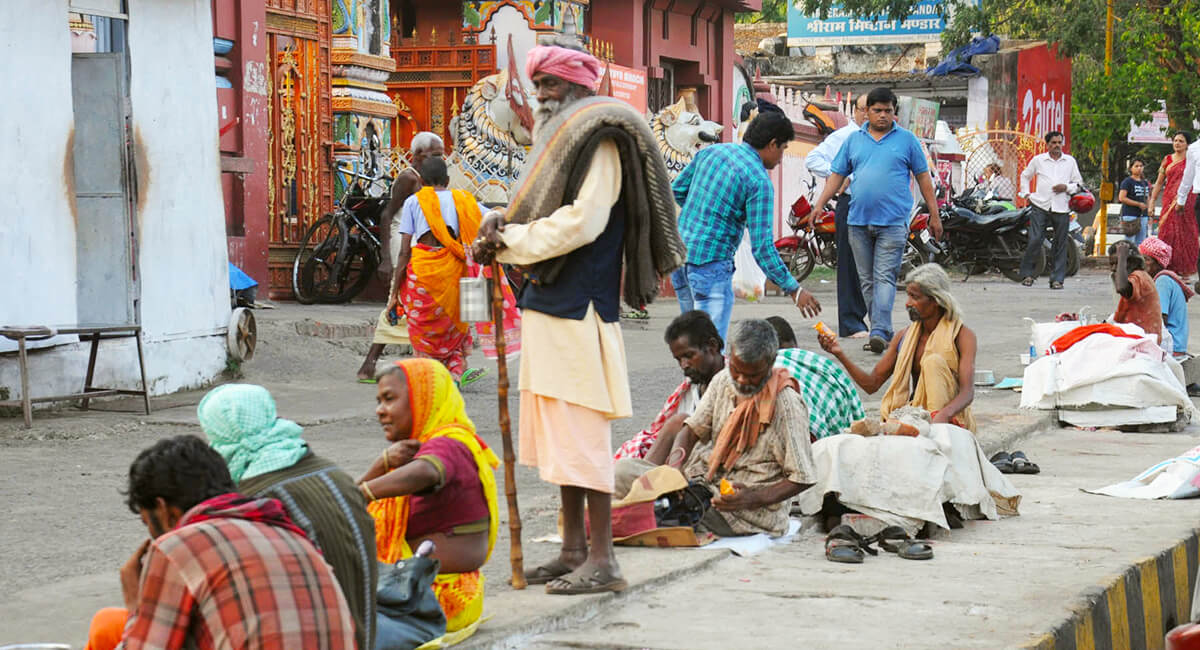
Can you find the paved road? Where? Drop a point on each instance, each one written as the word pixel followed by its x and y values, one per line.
pixel 65 530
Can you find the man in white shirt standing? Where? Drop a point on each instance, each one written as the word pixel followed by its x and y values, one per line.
pixel 1190 183
pixel 852 308
pixel 1057 178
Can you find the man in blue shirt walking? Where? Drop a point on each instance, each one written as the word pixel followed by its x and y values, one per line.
pixel 881 156
pixel 724 191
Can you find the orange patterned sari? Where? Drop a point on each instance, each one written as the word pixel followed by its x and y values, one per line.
pixel 438 410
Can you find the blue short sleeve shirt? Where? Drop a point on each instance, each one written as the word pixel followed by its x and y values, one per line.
pixel 1174 306
pixel 879 191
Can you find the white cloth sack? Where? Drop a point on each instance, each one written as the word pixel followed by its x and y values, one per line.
pixel 903 481
pixel 1174 478
pixel 749 281
pixel 1106 371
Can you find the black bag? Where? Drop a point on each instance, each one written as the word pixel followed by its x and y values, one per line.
pixel 684 507
pixel 409 614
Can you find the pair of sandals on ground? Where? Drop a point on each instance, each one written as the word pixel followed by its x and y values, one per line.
pixel 1028 282
pixel 845 545
pixel 1014 463
pixel 554 574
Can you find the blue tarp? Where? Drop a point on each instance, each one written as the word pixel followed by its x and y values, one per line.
pixel 957 62
pixel 238 279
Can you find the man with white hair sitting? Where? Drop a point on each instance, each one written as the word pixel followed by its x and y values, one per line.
pixel 931 363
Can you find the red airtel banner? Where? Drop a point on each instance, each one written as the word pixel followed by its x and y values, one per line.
pixel 1043 91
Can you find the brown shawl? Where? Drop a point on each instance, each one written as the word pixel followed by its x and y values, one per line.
pixel 749 417
pixel 558 163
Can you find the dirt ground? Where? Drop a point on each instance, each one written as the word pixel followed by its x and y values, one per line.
pixel 65 529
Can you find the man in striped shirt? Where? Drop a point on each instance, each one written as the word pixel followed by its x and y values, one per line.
pixel 724 191
pixel 221 570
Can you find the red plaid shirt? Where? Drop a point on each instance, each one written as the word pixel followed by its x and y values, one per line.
pixel 641 442
pixel 227 582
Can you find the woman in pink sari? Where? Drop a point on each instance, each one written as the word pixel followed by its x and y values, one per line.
pixel 1177 227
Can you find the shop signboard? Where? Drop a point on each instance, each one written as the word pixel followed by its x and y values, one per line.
pixel 923 25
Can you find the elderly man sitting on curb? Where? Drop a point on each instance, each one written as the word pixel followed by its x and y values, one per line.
pixel 753 428
pixel 931 363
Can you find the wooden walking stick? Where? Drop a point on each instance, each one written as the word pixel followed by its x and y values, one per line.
pixel 516 556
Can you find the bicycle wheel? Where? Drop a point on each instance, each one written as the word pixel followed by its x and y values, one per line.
pixel 351 271
pixel 313 266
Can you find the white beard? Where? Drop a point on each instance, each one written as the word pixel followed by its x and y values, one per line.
pixel 548 109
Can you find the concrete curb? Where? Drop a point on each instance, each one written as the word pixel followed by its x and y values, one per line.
pixel 1135 609
pixel 518 635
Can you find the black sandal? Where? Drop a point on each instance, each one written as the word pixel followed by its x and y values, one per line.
pixel 1022 465
pixel 1056 285
pixel 1003 462
pixel 894 539
pixel 1027 282
pixel 547 572
pixel 845 545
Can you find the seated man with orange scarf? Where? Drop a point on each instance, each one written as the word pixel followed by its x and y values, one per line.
pixel 931 364
pixel 753 428
pixel 435 482
pixel 426 280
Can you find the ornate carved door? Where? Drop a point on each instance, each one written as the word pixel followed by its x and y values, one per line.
pixel 299 188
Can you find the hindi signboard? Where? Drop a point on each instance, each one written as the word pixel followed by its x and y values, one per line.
pixel 919 116
pixel 629 85
pixel 924 25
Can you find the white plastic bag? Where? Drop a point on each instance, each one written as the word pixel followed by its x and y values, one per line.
pixel 749 281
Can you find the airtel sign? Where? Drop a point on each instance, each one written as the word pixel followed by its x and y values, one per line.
pixel 1044 91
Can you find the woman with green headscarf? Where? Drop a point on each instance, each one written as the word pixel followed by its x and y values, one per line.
pixel 267 457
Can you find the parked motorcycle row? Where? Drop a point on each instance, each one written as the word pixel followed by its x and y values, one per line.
pixel 981 234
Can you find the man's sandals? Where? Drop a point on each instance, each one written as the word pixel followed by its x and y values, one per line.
pixel 558 580
pixel 845 545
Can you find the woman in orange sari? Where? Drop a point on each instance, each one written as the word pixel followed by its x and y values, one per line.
pixel 440 220
pixel 435 482
pixel 1176 227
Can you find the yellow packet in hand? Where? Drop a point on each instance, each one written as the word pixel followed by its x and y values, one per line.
pixel 824 329
pixel 725 487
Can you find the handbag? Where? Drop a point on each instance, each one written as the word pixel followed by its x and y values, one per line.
pixel 408 612
pixel 1132 227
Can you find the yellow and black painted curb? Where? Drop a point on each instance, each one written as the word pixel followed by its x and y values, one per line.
pixel 1136 609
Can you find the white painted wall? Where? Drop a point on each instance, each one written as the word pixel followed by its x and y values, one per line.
pixel 37 229
pixel 184 299
pixel 509 20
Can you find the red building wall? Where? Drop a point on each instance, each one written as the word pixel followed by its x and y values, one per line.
pixel 243 127
pixel 693 37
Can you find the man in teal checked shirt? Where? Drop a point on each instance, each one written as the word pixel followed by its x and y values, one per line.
pixel 724 190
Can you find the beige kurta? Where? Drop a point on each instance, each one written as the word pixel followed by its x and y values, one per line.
pixel 782 451
pixel 573 373
pixel 578 361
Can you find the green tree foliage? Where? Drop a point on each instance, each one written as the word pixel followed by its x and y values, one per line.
pixel 1156 53
pixel 773 11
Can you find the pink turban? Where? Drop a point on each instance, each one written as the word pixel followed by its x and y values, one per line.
pixel 576 67
pixel 1157 249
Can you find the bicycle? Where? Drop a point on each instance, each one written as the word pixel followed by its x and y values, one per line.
pixel 341 250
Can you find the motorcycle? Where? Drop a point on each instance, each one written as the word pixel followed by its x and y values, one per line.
pixel 809 242
pixel 980 234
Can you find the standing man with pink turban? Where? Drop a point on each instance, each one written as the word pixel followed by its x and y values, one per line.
pixel 593 192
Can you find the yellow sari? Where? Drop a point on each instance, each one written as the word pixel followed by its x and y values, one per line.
pixel 438 410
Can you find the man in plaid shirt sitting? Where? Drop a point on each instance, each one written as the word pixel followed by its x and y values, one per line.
pixel 220 570
pixel 723 192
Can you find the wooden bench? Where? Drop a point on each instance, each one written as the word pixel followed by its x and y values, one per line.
pixel 95 333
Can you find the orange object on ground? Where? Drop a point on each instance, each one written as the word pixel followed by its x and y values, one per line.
pixel 726 487
pixel 108 625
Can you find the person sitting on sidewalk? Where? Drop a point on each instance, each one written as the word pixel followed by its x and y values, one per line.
pixel 931 363
pixel 1173 292
pixel 267 458
pixel 696 346
pixel 753 427
pixel 1138 303
pixel 220 570
pixel 833 403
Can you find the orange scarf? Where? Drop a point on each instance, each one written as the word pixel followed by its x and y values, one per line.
pixel 439 269
pixel 748 419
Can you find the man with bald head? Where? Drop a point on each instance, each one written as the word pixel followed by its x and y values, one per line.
pixel 392 330
pixel 594 192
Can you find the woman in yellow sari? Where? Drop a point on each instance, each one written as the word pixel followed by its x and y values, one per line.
pixel 435 482
pixel 440 220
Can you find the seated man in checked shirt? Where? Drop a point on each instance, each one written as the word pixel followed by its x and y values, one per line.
pixel 220 570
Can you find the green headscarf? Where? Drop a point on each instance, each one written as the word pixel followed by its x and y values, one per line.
pixel 240 422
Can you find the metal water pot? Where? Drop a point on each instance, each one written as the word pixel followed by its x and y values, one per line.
pixel 474 300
